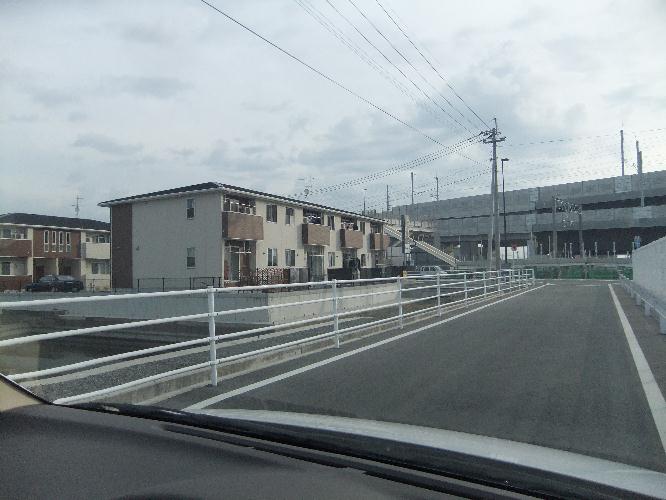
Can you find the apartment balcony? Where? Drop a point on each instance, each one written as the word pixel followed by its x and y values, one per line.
pixel 316 234
pixel 241 226
pixel 379 241
pixel 15 248
pixel 101 251
pixel 351 239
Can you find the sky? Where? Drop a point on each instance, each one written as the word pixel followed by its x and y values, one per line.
pixel 108 99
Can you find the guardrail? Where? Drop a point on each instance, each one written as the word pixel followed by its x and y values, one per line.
pixel 651 305
pixel 457 287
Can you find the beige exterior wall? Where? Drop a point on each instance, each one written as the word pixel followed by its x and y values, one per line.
pixel 161 234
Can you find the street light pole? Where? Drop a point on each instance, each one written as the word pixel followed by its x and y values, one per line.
pixel 504 211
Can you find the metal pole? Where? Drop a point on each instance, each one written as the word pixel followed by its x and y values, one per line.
pixel 484 284
pixel 622 150
pixel 437 188
pixel 499 282
pixel 335 312
pixel 211 335
pixel 553 254
pixel 580 232
pixel 465 282
pixel 412 188
pixel 504 212
pixel 400 300
pixel 439 295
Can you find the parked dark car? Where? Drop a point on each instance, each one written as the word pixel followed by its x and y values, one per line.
pixel 55 283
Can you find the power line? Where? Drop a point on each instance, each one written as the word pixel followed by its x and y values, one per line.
pixel 320 73
pixel 412 66
pixel 425 94
pixel 431 65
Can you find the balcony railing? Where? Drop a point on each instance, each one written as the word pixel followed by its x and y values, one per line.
pixel 101 251
pixel 15 248
pixel 351 239
pixel 316 234
pixel 240 226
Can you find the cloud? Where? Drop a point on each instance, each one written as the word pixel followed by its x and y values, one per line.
pixel 51 97
pixel 182 152
pixel 104 144
pixel 146 33
pixel 266 107
pixel 23 118
pixel 77 116
pixel 144 86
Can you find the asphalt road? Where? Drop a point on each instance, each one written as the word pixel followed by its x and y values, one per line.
pixel 550 367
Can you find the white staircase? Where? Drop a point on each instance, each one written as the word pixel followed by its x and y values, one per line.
pixel 393 232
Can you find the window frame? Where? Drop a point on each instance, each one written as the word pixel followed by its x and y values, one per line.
pixel 364 260
pixel 54 242
pixel 191 264
pixel 361 226
pixel 331 259
pixel 68 242
pixel 289 216
pixel 271 210
pixel 61 241
pixel 272 259
pixel 46 241
pixel 190 211
pixel 289 257
pixel 8 263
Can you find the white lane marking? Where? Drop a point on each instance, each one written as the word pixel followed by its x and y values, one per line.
pixel 242 390
pixel 652 392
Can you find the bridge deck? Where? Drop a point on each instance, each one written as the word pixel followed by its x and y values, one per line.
pixel 550 367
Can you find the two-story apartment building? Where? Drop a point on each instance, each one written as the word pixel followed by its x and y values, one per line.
pixel 32 246
pixel 214 229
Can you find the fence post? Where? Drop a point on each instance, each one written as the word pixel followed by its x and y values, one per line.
pixel 211 335
pixel 335 312
pixel 162 283
pixel 138 288
pixel 465 282
pixel 499 282
pixel 400 300
pixel 439 295
pixel 484 283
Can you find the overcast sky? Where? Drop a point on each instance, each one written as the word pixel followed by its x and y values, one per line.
pixel 107 99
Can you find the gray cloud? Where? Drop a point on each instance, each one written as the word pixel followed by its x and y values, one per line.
pixel 145 33
pixel 104 144
pixel 77 116
pixel 267 107
pixel 182 152
pixel 52 97
pixel 143 86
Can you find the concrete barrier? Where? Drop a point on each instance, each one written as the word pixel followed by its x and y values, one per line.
pixel 650 268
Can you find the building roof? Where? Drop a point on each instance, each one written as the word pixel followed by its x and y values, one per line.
pixel 54 221
pixel 216 186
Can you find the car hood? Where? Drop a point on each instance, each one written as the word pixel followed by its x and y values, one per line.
pixel 547 460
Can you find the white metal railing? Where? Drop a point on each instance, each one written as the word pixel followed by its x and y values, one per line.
pixel 457 287
pixel 426 247
pixel 651 305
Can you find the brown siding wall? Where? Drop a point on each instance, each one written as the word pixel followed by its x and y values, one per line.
pixel 38 244
pixel 315 234
pixel 14 282
pixel 238 226
pixel 121 246
pixel 15 248
pixel 379 241
pixel 351 239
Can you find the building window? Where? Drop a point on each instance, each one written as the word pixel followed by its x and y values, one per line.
pixel 53 241
pixel 239 205
pixel 331 221
pixel 311 217
pixel 190 208
pixel 272 257
pixel 61 241
pixel 46 241
pixel 289 258
pixel 289 217
pixel 5 269
pixel 13 233
pixel 100 268
pixel 361 226
pixel 363 263
pixel 191 257
pixel 68 242
pixel 347 223
pixel 375 228
pixel 271 213
pixel 331 259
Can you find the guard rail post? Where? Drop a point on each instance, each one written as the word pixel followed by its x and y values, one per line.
pixel 211 333
pixel 439 295
pixel 400 300
pixel 334 288
pixel 499 282
pixel 484 284
pixel 465 284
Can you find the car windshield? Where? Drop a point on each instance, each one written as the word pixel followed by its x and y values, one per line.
pixel 449 215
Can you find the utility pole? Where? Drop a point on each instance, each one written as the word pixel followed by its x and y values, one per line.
pixel 581 243
pixel 622 150
pixel 492 138
pixel 412 188
pixel 388 206
pixel 491 222
pixel 506 259
pixel 639 167
pixel 554 252
pixel 77 209
pixel 437 188
pixel 364 191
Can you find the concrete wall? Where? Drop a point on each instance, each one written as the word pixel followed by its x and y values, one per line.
pixel 161 234
pixel 649 263
pixel 160 307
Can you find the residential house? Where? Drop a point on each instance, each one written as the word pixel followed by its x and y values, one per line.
pixel 32 246
pixel 197 231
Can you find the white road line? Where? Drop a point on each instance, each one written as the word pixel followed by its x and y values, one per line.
pixel 242 390
pixel 654 396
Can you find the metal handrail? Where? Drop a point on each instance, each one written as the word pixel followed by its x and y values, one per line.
pixel 490 282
